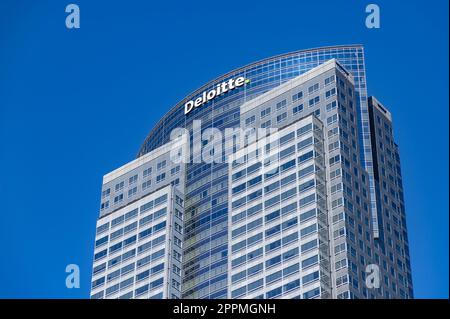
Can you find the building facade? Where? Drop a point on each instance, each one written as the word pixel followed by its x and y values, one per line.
pixel 258 235
pixel 138 246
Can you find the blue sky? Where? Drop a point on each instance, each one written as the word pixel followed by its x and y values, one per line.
pixel 75 104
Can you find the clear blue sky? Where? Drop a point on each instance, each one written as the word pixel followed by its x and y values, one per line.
pixel 75 104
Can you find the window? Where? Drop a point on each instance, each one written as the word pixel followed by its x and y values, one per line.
pixel 291 285
pixel 330 93
pixel 178 214
pixel 176 270
pixel 306 171
pixel 308 230
pixel 255 285
pixel 289 239
pixel 106 192
pixel 338 217
pixel 130 227
pixel 132 179
pixel 119 186
pixel 102 228
pixel 175 170
pixel 98 282
pixel 336 203
pixel 305 143
pixel 265 112
pixel 250 120
pixel 175 284
pixel 310 278
pixel 239 292
pixel 309 245
pixel 142 275
pixel 159 227
pixel 281 105
pixel 336 188
pixel 105 205
pixel 291 270
pixel 272 231
pixel 274 293
pixel 297 96
pixel 332 119
pixel 308 215
pixel 289 223
pixel 333 146
pixel 118 220
pixel 266 124
pixel 335 159
pixel 288 179
pixel 281 117
pixel 129 241
pixel 312 293
pixel 160 177
pixel 141 290
pixel 341 280
pixel 311 261
pixel 161 165
pixel 304 129
pixel 333 132
pixel 297 109
pixel 305 157
pixel 307 200
pixel 331 106
pixel 100 254
pixel 335 174
pixel 100 268
pixel 341 264
pixel 340 248
pixel 132 192
pixel 306 186
pixel 131 214
pixel 314 101
pixel 330 80
pixel 313 88
pixel 118 199
pixel 274 277
pixel 255 269
pixel 176 255
pixel 288 165
pixel 147 172
pixel 286 138
pixel 178 228
pixel 146 184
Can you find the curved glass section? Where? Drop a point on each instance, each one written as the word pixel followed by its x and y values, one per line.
pixel 264 75
pixel 206 211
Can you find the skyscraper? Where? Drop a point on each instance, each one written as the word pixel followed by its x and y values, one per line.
pixel 309 211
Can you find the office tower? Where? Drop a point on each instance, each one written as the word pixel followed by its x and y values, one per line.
pixel 138 244
pixel 347 214
pixel 300 217
pixel 279 242
pixel 393 244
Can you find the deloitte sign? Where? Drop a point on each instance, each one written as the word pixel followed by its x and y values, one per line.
pixel 221 88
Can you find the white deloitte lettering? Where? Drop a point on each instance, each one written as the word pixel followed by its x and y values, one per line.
pixel 220 89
